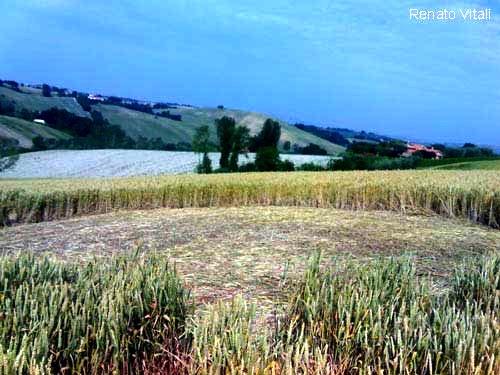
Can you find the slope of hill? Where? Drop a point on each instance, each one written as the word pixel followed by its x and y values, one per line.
pixel 137 124
pixel 254 122
pixel 492 165
pixel 120 163
pixel 37 102
pixel 24 131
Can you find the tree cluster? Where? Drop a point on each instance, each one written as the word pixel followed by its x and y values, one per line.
pixel 265 145
pixel 392 149
pixel 12 84
pixel 169 115
pixel 310 149
pixel 468 150
pixel 329 134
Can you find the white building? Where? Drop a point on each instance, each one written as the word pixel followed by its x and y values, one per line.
pixel 39 121
pixel 96 97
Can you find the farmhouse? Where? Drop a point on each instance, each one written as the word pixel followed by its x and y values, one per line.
pixel 39 121
pixel 412 148
pixel 96 97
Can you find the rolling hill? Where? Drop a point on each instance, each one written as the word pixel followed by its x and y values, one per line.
pixel 136 124
pixel 36 102
pixel 24 131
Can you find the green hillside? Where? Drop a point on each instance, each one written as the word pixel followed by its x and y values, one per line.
pixel 254 122
pixel 37 102
pixel 24 131
pixel 492 165
pixel 138 124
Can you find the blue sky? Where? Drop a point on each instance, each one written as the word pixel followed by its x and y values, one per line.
pixel 359 64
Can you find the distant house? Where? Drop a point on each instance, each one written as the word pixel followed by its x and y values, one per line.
pixel 412 148
pixel 96 97
pixel 39 121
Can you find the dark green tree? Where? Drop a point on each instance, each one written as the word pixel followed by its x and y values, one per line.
pixel 201 145
pixel 225 132
pixel 269 135
pixel 268 158
pixel 241 138
pixel 45 90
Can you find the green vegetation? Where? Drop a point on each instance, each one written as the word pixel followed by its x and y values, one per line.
pixel 493 165
pixel 100 317
pixel 24 131
pixel 132 315
pixel 462 164
pixel 139 123
pixel 356 162
pixel 225 133
pixel 149 126
pixel 473 195
pixel 375 318
pixel 201 145
pixel 392 149
pixel 34 102
pixel 254 121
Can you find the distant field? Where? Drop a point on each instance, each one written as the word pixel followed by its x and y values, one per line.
pixel 470 194
pixel 34 102
pixel 138 124
pixel 24 131
pixel 492 165
pixel 120 163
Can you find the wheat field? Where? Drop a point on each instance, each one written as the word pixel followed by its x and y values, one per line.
pixel 468 194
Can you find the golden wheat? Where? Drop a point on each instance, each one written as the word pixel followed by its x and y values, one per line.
pixel 470 194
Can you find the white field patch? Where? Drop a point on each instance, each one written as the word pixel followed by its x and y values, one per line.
pixel 121 163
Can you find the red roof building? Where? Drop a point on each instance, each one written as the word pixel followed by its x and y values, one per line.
pixel 415 147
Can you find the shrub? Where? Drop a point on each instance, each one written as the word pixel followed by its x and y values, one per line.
pixel 267 159
pixel 310 149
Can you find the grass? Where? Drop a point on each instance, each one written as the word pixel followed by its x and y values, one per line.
pixel 132 315
pixel 35 102
pixel 471 194
pixel 24 131
pixel 436 164
pixel 491 165
pixel 138 124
